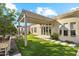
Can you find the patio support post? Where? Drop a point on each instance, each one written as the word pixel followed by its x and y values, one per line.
pixel 9 47
pixel 45 29
pixel 18 29
pixel 42 30
pixel 25 33
pixel 48 29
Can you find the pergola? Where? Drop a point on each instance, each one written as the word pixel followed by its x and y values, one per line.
pixel 30 17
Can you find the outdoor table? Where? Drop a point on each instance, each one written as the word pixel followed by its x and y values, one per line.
pixel 3 45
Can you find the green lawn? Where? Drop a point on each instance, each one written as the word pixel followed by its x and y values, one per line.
pixel 40 47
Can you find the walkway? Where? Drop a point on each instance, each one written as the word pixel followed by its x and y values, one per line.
pixel 14 50
pixel 62 43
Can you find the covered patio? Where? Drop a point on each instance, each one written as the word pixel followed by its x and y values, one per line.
pixel 30 17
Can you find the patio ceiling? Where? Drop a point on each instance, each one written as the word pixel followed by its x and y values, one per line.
pixel 38 19
pixel 34 18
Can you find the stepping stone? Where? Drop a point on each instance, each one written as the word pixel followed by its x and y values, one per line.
pixel 19 54
pixel 72 45
pixel 63 43
pixel 57 42
pixel 52 40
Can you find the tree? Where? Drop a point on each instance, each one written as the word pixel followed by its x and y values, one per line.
pixel 7 17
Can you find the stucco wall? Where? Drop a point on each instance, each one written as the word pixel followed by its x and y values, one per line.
pixel 38 29
pixel 69 37
pixel 55 28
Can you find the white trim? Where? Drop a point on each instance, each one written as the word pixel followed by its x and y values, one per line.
pixel 25 33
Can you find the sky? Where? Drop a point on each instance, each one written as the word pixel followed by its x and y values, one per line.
pixel 56 8
pixel 45 9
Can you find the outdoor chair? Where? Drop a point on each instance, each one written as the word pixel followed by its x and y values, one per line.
pixel 4 45
pixel 3 50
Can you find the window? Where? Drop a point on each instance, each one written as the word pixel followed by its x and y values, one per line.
pixel 35 29
pixel 72 25
pixel 32 30
pixel 60 32
pixel 44 30
pixel 49 30
pixel 73 33
pixel 72 28
pixel 65 32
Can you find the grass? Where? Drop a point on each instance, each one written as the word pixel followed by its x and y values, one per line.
pixel 39 47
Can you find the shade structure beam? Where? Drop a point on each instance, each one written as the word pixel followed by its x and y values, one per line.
pixel 25 32
pixel 18 29
pixel 34 18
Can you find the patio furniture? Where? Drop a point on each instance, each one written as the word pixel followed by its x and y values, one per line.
pixel 4 48
pixel 4 45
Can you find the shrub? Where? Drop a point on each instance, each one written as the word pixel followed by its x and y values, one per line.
pixel 12 51
pixel 55 36
pixel 70 42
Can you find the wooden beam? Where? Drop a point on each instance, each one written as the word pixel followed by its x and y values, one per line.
pixel 25 33
pixel 21 19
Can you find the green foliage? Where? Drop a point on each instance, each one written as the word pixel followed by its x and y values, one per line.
pixel 55 36
pixel 7 16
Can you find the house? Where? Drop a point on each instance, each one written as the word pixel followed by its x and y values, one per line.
pixel 21 29
pixel 28 29
pixel 66 25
